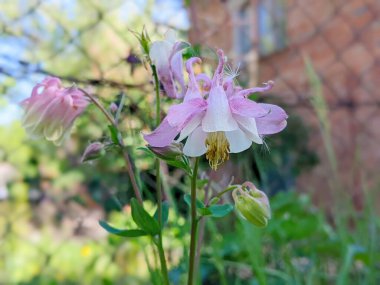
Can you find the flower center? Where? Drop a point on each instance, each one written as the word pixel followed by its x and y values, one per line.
pixel 218 149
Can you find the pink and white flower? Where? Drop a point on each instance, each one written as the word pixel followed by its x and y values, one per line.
pixel 52 109
pixel 219 119
pixel 166 55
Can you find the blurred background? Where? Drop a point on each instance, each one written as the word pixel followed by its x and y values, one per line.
pixel 321 173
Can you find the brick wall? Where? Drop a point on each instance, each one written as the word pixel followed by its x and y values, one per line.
pixel 342 39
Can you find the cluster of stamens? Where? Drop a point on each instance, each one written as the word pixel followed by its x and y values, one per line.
pixel 218 149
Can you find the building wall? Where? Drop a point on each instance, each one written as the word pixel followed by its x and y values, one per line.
pixel 342 40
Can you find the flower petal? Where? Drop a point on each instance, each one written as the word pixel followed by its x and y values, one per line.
pixel 248 125
pixel 191 126
pixel 179 115
pixel 163 135
pixel 244 93
pixel 247 108
pixel 195 144
pixel 218 115
pixel 160 52
pixel 272 123
pixel 238 141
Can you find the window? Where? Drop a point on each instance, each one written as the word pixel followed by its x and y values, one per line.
pixel 271 26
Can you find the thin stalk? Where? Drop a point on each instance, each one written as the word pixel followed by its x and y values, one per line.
pixel 164 269
pixel 161 253
pixel 194 224
pixel 220 194
pixel 121 145
pixel 157 89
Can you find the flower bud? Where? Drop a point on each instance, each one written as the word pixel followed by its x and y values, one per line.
pixel 252 204
pixel 113 108
pixel 170 152
pixel 93 151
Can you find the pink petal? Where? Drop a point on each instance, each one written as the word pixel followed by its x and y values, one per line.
pixel 268 86
pixel 272 123
pixel 247 108
pixel 163 135
pixel 193 90
pixel 179 115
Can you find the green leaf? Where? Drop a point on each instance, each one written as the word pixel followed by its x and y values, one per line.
pixel 202 209
pixel 122 233
pixel 115 135
pixel 165 213
pixel 143 219
pixel 198 203
pixel 219 211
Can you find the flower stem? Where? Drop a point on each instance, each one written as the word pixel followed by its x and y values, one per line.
pixel 157 89
pixel 194 224
pixel 164 270
pixel 121 145
pixel 220 194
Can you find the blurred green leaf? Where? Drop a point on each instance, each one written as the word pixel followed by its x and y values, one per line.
pixel 143 219
pixel 219 211
pixel 123 233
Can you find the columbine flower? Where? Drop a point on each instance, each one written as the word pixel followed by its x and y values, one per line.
pixel 52 109
pixel 166 55
pixel 252 204
pixel 217 119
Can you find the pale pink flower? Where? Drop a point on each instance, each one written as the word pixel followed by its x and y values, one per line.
pixel 218 119
pixel 52 109
pixel 166 55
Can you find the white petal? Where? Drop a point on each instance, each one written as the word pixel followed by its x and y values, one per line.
pixel 238 141
pixel 190 127
pixel 248 125
pixel 160 53
pixel 171 36
pixel 218 115
pixel 195 144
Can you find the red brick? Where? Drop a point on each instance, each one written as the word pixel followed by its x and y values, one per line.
pixel 320 53
pixel 361 96
pixel 299 26
pixel 336 76
pixel 357 58
pixel 371 81
pixel 318 10
pixel 338 33
pixel 357 13
pixel 266 72
pixel 371 38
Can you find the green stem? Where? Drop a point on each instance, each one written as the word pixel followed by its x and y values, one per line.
pixel 125 154
pixel 161 253
pixel 194 224
pixel 164 270
pixel 157 89
pixel 220 194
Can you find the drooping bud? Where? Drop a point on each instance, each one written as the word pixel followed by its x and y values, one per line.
pixel 93 151
pixel 252 204
pixel 51 110
pixel 170 152
pixel 113 108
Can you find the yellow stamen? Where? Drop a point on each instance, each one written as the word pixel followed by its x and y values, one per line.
pixel 218 149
